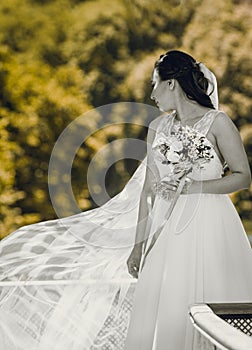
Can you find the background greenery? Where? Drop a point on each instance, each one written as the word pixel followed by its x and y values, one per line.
pixel 59 59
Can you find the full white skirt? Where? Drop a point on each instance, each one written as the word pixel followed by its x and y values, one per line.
pixel 202 255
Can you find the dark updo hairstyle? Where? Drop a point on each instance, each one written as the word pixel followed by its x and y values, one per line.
pixel 184 68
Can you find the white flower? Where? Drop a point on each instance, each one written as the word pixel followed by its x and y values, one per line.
pixel 177 146
pixel 188 129
pixel 160 140
pixel 197 141
pixel 172 156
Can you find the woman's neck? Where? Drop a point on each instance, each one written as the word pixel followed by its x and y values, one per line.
pixel 188 112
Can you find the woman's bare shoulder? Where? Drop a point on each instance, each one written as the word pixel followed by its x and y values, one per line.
pixel 222 118
pixel 223 124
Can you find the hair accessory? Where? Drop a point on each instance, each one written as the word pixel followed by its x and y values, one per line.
pixel 186 69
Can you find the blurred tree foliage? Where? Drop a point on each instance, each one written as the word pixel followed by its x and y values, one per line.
pixel 59 59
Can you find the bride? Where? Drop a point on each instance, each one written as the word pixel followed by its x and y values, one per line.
pixel 71 283
pixel 201 253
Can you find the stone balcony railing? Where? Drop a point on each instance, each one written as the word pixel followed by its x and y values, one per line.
pixel 224 326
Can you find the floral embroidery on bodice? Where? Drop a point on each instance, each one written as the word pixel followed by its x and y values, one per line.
pixel 212 169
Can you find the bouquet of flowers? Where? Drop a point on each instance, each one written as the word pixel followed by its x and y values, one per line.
pixel 183 151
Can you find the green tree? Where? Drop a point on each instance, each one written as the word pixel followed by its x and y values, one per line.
pixel 61 58
pixel 220 34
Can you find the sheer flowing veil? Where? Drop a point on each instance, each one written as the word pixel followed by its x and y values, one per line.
pixel 212 90
pixel 59 278
pixel 65 282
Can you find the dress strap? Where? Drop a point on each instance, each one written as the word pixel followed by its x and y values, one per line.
pixel 165 123
pixel 205 123
pixel 163 127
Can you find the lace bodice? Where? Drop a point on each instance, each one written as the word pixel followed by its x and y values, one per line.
pixel 212 169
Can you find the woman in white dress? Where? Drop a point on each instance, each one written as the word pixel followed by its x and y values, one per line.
pixel 202 253
pixel 65 283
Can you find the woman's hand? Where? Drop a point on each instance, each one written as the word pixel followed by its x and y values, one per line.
pixel 190 186
pixel 171 185
pixel 134 259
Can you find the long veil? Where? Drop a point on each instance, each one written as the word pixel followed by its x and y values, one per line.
pixel 65 284
pixel 63 278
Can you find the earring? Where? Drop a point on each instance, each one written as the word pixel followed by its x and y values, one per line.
pixel 170 83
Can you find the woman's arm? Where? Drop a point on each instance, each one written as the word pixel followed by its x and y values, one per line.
pixel 231 147
pixel 151 170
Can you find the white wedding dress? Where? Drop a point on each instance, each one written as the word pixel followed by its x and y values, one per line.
pixel 64 284
pixel 202 255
